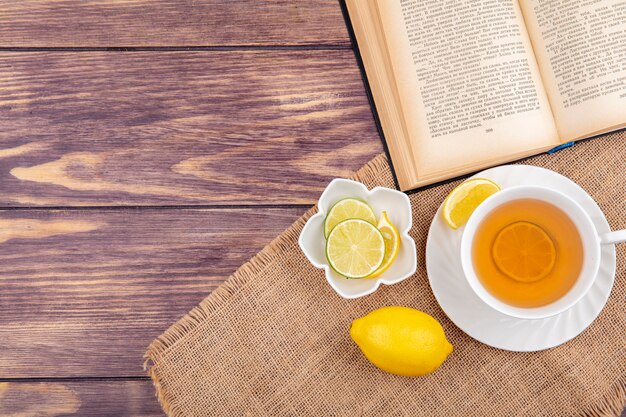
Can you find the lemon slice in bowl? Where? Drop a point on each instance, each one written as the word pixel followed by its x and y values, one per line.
pixel 348 208
pixel 463 200
pixel 355 248
pixel 392 243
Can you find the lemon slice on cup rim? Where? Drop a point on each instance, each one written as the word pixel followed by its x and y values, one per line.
pixel 463 200
pixel 355 248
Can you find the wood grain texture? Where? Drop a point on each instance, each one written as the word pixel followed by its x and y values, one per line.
pixel 117 398
pixel 83 292
pixel 96 23
pixel 154 128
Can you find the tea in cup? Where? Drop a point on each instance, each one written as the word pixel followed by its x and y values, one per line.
pixel 531 252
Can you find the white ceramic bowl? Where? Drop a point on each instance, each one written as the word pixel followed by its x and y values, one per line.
pixel 398 208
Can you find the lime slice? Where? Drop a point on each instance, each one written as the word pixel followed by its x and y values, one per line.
pixel 392 243
pixel 348 208
pixel 355 248
pixel 463 200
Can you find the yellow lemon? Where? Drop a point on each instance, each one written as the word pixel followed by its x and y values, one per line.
pixel 401 340
pixel 463 200
pixel 392 243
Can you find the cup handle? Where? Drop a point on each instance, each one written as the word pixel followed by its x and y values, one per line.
pixel 611 238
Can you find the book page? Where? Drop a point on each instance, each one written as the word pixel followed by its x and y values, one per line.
pixel 469 86
pixel 375 56
pixel 581 50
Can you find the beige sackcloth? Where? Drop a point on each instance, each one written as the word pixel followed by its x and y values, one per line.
pixel 273 340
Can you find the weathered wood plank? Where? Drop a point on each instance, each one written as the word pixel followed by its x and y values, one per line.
pixel 119 398
pixel 83 292
pixel 82 23
pixel 79 398
pixel 145 128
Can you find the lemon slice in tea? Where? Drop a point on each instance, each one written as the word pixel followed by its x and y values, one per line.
pixel 355 248
pixel 463 200
pixel 348 208
pixel 524 252
pixel 392 243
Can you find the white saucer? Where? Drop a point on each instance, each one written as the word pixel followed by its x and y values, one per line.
pixel 489 326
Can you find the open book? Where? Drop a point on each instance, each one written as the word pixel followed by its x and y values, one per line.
pixel 461 85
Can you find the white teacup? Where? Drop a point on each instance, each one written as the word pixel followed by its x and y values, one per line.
pixel 590 238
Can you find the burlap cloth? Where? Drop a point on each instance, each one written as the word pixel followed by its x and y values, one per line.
pixel 273 340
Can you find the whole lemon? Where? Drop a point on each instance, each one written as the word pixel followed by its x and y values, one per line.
pixel 401 340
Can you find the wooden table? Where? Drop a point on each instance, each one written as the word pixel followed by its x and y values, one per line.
pixel 147 149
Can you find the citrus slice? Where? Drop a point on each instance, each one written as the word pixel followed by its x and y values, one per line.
pixel 392 243
pixel 348 208
pixel 355 248
pixel 463 200
pixel 524 252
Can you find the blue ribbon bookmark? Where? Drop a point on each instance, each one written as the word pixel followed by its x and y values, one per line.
pixel 558 148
